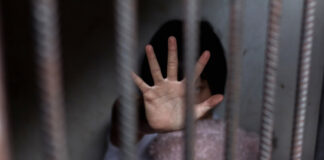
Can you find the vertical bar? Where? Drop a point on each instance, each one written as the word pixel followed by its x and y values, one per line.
pixel 234 78
pixel 126 17
pixel 191 35
pixel 49 71
pixel 303 78
pixel 270 79
pixel 319 154
pixel 4 144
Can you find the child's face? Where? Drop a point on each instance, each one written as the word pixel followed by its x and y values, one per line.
pixel 203 91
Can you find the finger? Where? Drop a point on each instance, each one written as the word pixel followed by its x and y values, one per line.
pixel 172 59
pixel 201 64
pixel 154 65
pixel 140 83
pixel 202 108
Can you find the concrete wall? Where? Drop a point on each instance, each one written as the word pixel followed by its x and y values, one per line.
pixel 89 70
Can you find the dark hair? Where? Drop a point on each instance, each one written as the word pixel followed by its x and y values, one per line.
pixel 215 70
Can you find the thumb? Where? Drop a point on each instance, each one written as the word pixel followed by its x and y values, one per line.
pixel 202 108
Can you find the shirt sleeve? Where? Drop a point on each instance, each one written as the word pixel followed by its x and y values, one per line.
pixel 113 151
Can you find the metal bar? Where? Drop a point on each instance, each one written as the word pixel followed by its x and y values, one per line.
pixel 234 78
pixel 303 78
pixel 126 17
pixel 49 71
pixel 4 144
pixel 191 37
pixel 319 154
pixel 270 79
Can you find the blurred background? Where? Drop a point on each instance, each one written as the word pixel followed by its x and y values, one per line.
pixel 88 59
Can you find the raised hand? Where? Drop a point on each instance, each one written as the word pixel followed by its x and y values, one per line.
pixel 165 101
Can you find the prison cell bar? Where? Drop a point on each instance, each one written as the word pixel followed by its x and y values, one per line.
pixel 49 71
pixel 126 27
pixel 270 80
pixel 234 78
pixel 4 144
pixel 303 78
pixel 191 35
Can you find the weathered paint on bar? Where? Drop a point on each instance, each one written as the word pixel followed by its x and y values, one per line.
pixel 126 25
pixel 270 80
pixel 49 73
pixel 4 139
pixel 233 86
pixel 304 70
pixel 191 48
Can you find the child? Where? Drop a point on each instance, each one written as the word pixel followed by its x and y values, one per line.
pixel 162 86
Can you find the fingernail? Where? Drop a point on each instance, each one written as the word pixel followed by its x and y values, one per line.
pixel 148 47
pixel 207 54
pixel 220 97
pixel 172 38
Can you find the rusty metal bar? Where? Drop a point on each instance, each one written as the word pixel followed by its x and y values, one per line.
pixel 234 78
pixel 49 71
pixel 191 48
pixel 126 26
pixel 270 79
pixel 4 139
pixel 4 145
pixel 303 78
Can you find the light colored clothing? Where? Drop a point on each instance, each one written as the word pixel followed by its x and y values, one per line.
pixel 113 152
pixel 209 143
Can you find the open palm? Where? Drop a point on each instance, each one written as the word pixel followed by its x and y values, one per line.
pixel 165 101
